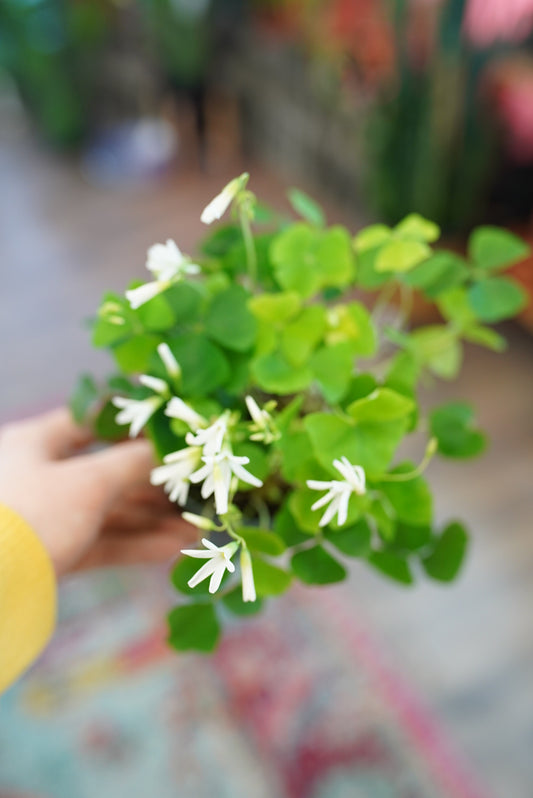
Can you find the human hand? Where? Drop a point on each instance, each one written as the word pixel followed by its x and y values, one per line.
pixel 88 508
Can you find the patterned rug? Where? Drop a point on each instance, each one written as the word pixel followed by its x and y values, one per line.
pixel 297 703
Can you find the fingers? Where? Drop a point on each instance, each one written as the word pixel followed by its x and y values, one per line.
pixel 152 546
pixel 119 467
pixel 52 435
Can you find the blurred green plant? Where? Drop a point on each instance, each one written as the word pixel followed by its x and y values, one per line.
pixel 276 399
pixel 431 139
pixel 46 46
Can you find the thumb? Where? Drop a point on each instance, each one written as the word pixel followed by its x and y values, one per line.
pixel 120 466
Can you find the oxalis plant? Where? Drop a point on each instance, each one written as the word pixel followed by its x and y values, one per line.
pixel 276 376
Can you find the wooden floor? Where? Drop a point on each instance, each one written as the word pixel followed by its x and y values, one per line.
pixel 468 648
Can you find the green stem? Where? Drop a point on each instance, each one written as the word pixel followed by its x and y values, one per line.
pixel 430 451
pixel 251 255
pixel 383 300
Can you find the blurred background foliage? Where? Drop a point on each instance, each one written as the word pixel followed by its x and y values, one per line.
pixel 395 105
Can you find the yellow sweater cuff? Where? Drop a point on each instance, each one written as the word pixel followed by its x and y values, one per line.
pixel 27 596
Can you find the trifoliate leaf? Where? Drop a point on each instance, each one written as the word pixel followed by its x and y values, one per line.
pixel 298 462
pixel 114 322
pixel 134 356
pixel 269 579
pixel 368 277
pixel 401 256
pixel 380 512
pixel 193 627
pixel 411 499
pixel 392 565
pixel 454 306
pixel 437 348
pixel 186 300
pixel 229 321
pixel 383 404
pixel 452 425
pixel 439 273
pixel 492 248
pixel 372 237
pixel 275 374
pixel 184 570
pixel 446 559
pixel 286 527
pixel 262 540
pixel 333 367
pixel 301 335
pixel 307 260
pixel 275 309
pixel 415 228
pixel 410 537
pixel 204 367
pixel 156 315
pixel 354 540
pixel 352 323
pixel 403 373
pixel 233 601
pixel 368 444
pixel 316 566
pixel 485 336
pixel 496 298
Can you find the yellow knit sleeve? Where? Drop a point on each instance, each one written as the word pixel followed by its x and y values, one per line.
pixel 27 596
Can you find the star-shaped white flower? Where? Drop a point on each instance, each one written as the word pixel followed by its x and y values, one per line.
pixel 212 437
pixel 219 561
pixel 175 473
pixel 137 412
pixel 167 262
pixel 216 474
pixel 169 361
pixel 177 408
pixel 339 492
pixel 247 576
pixel 262 427
pixel 138 296
pixel 220 204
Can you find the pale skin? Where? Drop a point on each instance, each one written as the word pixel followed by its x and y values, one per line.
pixel 89 508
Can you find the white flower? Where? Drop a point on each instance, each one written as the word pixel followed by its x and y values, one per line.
pixel 135 412
pixel 339 492
pixel 262 428
pixel 138 296
pixel 247 576
pixel 177 408
pixel 220 204
pixel 174 475
pixel 199 521
pixel 169 361
pixel 216 474
pixel 219 561
pixel 212 437
pixel 154 383
pixel 353 474
pixel 166 262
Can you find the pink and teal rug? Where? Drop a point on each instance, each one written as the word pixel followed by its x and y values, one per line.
pixel 295 704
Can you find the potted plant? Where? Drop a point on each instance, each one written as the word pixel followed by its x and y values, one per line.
pixel 276 398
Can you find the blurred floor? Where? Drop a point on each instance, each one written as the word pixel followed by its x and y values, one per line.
pixel 468 648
